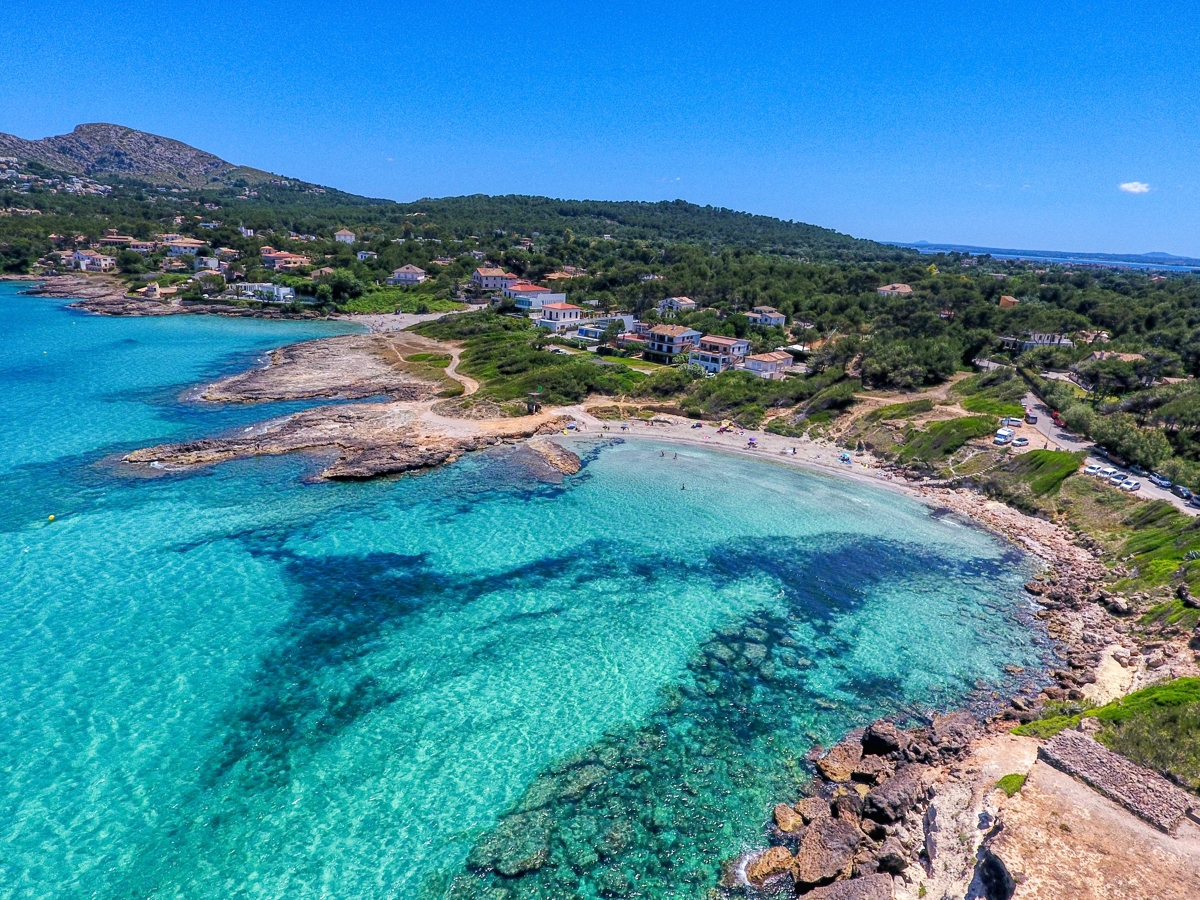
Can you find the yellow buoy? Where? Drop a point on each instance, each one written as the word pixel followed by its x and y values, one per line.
pixel 50 518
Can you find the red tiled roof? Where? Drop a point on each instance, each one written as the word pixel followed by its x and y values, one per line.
pixel 558 305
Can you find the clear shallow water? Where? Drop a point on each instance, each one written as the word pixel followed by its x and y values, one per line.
pixel 234 684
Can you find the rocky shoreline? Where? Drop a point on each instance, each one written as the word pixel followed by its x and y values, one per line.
pixel 900 814
pixel 105 296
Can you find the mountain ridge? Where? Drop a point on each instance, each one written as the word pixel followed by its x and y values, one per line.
pixel 100 149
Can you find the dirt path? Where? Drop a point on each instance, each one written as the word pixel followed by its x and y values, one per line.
pixel 470 385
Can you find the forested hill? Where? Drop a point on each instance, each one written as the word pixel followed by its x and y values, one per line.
pixel 137 177
pixel 675 221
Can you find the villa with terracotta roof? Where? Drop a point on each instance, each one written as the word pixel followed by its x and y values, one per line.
pixel 772 366
pixel 715 353
pixel 344 236
pixel 665 342
pixel 181 246
pixel 490 279
pixel 407 274
pixel 894 290
pixel 530 297
pixel 282 261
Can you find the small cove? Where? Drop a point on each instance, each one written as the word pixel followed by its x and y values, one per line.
pixel 235 684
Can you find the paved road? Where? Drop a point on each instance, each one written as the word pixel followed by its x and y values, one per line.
pixel 1061 439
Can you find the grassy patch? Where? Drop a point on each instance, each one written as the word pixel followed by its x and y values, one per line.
pixel 990 406
pixel 391 300
pixel 436 360
pixel 1045 470
pixel 997 393
pixel 1048 727
pixel 943 438
pixel 1011 784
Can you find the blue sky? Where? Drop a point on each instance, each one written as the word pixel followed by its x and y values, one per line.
pixel 1002 124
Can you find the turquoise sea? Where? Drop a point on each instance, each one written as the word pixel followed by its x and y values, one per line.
pixel 471 684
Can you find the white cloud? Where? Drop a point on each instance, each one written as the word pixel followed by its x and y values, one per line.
pixel 1135 187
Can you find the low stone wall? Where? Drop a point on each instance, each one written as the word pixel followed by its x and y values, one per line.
pixel 1144 793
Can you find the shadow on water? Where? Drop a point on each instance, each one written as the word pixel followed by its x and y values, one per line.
pixel 653 804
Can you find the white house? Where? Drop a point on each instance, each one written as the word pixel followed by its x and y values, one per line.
pixel 364 255
pixel 91 261
pixel 491 279
pixel 559 316
pixel 271 293
pixel 531 297
pixel 894 290
pixel 773 365
pixel 676 304
pixel 716 353
pixel 344 236
pixel 184 246
pixel 407 274
pixel 766 315
pixel 665 342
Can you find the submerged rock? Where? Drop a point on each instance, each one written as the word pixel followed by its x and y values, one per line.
pixel 519 844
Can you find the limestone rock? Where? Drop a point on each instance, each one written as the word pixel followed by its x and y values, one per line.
pixel 787 819
pixel 873 769
pixel 891 857
pixel 826 851
pixel 953 733
pixel 869 887
pixel 771 862
pixel 881 738
pixel 890 801
pixel 838 764
pixel 813 809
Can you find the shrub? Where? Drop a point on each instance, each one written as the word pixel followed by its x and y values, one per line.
pixel 1011 784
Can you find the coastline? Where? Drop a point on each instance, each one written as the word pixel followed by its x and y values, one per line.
pixel 1098 656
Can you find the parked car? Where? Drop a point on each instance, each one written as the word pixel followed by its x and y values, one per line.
pixel 1180 491
pixel 1108 472
pixel 1031 418
pixel 1011 422
pixel 1130 485
pixel 1093 469
pixel 1021 442
pixel 1117 478
pixel 1160 480
pixel 1139 471
pixel 1195 501
pixel 1099 451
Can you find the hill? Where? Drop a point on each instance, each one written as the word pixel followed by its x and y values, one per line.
pixel 132 160
pixel 100 151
